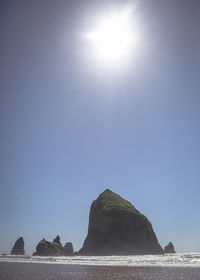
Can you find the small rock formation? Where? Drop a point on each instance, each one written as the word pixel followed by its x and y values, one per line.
pixel 117 227
pixel 68 249
pixel 18 248
pixel 46 248
pixel 55 248
pixel 57 240
pixel 169 249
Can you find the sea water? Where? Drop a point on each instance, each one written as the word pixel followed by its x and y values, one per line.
pixel 184 259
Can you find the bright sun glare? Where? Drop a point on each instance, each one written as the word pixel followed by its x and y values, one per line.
pixel 113 38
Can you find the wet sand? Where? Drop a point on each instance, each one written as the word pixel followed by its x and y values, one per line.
pixel 32 271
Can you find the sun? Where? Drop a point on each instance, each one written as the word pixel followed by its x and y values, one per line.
pixel 113 38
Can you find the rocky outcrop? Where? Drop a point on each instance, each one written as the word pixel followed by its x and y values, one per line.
pixel 18 248
pixel 117 227
pixel 68 249
pixel 55 248
pixel 169 249
pixel 46 248
pixel 57 240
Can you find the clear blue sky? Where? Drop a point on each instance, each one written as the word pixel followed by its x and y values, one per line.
pixel 70 129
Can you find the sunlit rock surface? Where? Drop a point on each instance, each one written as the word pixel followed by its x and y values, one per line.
pixel 18 248
pixel 117 227
pixel 169 249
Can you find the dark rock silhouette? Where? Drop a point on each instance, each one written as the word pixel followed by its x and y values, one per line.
pixel 68 249
pixel 169 249
pixel 57 240
pixel 18 248
pixel 46 248
pixel 55 248
pixel 117 227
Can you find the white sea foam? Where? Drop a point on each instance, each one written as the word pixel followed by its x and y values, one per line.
pixel 186 260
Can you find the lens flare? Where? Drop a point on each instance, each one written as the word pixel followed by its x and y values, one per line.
pixel 114 38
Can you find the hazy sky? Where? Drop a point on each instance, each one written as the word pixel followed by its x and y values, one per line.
pixel 70 128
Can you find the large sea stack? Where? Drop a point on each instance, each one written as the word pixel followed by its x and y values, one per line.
pixel 117 227
pixel 18 248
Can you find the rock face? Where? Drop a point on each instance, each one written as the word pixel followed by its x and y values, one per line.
pixel 117 227
pixel 68 249
pixel 46 248
pixel 57 240
pixel 18 248
pixel 55 248
pixel 169 249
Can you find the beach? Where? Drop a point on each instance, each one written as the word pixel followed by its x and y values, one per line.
pixel 41 271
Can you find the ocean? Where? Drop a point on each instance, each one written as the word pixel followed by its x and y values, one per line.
pixel 184 260
pixel 149 267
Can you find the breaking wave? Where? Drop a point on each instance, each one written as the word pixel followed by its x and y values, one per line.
pixel 187 260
